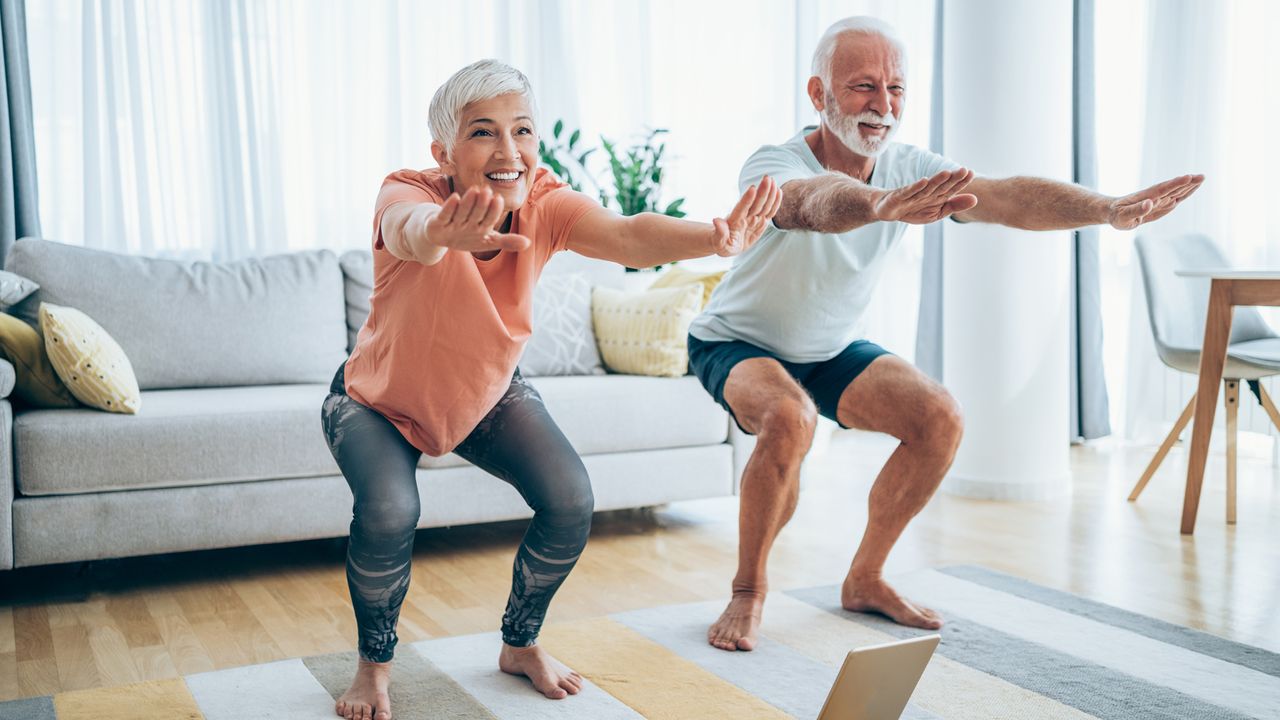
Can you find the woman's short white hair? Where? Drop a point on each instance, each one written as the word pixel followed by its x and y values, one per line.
pixel 824 54
pixel 477 82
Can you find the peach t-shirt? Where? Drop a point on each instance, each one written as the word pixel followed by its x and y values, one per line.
pixel 442 341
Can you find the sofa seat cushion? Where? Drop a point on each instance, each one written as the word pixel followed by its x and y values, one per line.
pixel 217 435
pixel 180 437
pixel 624 413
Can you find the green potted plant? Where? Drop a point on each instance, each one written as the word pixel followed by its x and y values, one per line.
pixel 564 159
pixel 635 172
pixel 637 177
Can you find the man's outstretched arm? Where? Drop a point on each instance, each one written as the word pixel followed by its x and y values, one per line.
pixel 1031 203
pixel 837 203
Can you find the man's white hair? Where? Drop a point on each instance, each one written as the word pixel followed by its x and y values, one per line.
pixel 477 82
pixel 824 54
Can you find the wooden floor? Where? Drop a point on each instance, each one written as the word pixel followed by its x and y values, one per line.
pixel 109 623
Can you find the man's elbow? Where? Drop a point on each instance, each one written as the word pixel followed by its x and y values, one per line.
pixel 787 221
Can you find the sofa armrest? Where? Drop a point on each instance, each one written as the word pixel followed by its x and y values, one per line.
pixel 6 482
pixel 7 378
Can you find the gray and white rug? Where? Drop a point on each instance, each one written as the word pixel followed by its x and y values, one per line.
pixel 1010 649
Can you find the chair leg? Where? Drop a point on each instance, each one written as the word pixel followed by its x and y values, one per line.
pixel 1172 438
pixel 1231 397
pixel 1270 407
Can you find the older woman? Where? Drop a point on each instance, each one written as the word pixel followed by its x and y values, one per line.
pixel 457 251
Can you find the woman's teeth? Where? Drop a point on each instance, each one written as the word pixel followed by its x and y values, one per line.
pixel 507 176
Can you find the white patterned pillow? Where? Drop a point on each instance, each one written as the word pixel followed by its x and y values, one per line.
pixel 14 289
pixel 562 342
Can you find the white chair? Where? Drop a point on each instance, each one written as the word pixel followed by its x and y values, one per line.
pixel 1176 307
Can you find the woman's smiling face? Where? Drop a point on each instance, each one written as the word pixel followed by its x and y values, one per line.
pixel 496 148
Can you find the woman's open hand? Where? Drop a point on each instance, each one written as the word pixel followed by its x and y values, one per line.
pixel 466 223
pixel 747 221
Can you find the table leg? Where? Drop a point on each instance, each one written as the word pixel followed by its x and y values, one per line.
pixel 1232 400
pixel 1213 356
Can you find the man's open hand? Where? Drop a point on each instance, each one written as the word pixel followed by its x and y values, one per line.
pixel 928 200
pixel 1144 206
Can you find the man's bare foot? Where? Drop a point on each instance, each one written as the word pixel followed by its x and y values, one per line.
pixel 549 676
pixel 873 594
pixel 367 699
pixel 739 624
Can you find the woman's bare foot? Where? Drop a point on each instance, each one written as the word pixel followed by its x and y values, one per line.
pixel 873 594
pixel 739 624
pixel 367 699
pixel 548 675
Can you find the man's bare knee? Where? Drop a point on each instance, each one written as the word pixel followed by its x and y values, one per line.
pixel 790 425
pixel 941 424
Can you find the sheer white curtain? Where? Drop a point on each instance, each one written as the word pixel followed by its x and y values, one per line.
pixel 1197 91
pixel 226 128
pixel 222 129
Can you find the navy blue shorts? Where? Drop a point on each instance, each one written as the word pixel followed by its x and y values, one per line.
pixel 825 381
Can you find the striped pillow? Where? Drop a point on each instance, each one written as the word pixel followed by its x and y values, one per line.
pixel 92 365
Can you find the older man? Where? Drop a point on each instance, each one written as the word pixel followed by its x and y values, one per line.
pixel 782 339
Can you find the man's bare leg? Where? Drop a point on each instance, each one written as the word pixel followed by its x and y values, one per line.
pixel 893 397
pixel 770 404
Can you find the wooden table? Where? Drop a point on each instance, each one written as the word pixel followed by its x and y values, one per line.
pixel 1228 288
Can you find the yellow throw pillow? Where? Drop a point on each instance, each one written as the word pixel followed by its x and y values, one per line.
pixel 645 333
pixel 92 365
pixel 36 384
pixel 677 276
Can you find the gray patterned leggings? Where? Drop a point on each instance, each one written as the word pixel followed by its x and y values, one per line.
pixel 518 442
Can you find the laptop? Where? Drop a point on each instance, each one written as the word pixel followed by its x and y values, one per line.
pixel 876 682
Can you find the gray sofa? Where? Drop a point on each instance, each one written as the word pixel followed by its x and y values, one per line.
pixel 234 361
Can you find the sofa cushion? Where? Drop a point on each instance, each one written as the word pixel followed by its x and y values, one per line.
pixel 14 289
pixel 8 378
pixel 217 435
pixel 622 413
pixel 679 277
pixel 180 437
pixel 36 382
pixel 562 342
pixel 646 333
pixel 357 283
pixel 260 321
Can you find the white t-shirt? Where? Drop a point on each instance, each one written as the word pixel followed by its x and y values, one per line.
pixel 802 295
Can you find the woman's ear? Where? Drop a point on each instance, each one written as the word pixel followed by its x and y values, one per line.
pixel 442 157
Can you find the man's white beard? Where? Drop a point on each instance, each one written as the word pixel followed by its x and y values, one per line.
pixel 846 128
